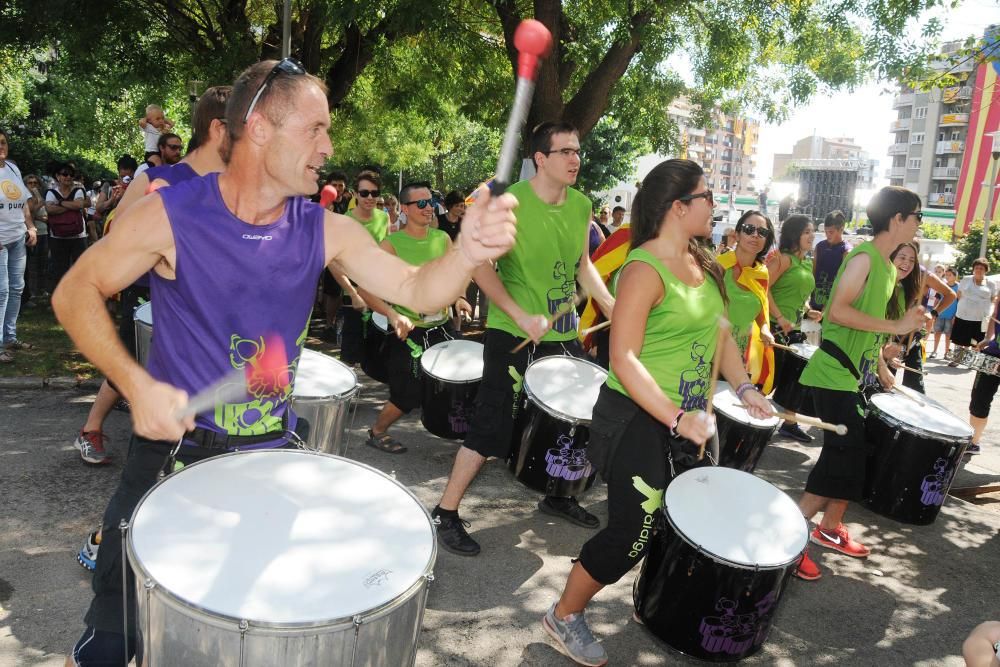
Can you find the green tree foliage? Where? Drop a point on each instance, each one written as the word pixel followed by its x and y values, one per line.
pixel 968 248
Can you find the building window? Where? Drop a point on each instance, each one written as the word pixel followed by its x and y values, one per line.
pixel 956 135
pixel 920 112
pixel 915 163
pixel 917 138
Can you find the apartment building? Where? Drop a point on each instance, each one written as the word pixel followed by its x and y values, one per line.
pixel 727 150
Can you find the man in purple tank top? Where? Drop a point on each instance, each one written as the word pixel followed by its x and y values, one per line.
pixel 234 259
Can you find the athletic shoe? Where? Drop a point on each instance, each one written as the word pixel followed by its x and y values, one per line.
pixel 569 509
pixel 974 448
pixel 807 568
pixel 838 540
pixel 932 355
pixel 452 535
pixel 575 638
pixel 88 553
pixel 91 446
pixel 793 431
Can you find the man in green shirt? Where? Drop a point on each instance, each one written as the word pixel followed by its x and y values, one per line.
pixel 532 296
pixel 853 332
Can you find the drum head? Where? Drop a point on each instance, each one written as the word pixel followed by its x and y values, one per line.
pixel 282 537
pixel 725 401
pixel 928 417
pixel 144 313
pixel 736 516
pixel 458 361
pixel 804 350
pixel 320 376
pixel 381 321
pixel 566 387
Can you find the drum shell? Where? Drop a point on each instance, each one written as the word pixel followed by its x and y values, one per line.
pixel 900 461
pixel 327 417
pixel 143 339
pixel 741 445
pixel 375 362
pixel 680 589
pixel 447 408
pixel 534 459
pixel 788 393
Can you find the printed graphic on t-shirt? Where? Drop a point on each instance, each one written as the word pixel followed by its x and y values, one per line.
pixel 868 369
pixel 12 192
pixel 269 388
pixel 694 381
pixel 560 300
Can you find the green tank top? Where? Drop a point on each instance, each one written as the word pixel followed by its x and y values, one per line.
pixel 681 336
pixel 744 306
pixel 793 288
pixel 539 272
pixel 861 347
pixel 378 226
pixel 418 252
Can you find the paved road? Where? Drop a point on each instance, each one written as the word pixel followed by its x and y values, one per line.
pixel 910 603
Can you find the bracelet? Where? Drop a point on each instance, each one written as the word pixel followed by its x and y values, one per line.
pixel 744 388
pixel 934 312
pixel 675 424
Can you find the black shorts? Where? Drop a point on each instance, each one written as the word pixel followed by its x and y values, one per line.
pixel 984 388
pixel 331 287
pixel 840 471
pixel 963 332
pixel 131 298
pixel 405 374
pixel 499 401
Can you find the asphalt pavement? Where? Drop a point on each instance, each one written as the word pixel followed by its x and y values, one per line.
pixel 911 602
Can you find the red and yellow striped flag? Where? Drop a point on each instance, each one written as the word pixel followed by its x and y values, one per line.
pixel 607 259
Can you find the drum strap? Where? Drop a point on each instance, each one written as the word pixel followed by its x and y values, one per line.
pixel 208 439
pixel 834 351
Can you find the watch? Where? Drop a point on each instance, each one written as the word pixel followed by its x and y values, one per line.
pixel 934 312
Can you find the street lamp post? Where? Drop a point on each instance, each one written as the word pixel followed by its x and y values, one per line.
pixel 995 154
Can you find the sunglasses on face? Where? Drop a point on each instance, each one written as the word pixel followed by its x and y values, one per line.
pixel 365 194
pixel 288 66
pixel 174 147
pixel 919 216
pixel 420 203
pixel 750 230
pixel 64 173
pixel 706 195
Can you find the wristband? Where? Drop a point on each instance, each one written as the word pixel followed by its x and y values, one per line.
pixel 674 424
pixel 744 388
pixel 934 312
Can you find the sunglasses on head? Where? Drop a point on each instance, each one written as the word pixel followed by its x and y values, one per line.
pixel 750 230
pixel 287 66
pixel 364 194
pixel 421 203
pixel 706 195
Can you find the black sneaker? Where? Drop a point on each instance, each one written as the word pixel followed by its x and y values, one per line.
pixel 452 536
pixel 569 509
pixel 790 430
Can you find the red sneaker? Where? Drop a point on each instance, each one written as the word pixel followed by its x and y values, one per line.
pixel 807 569
pixel 838 540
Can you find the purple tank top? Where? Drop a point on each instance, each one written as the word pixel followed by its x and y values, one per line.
pixel 827 260
pixel 172 174
pixel 236 285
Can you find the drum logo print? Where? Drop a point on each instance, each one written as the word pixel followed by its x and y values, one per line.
pixel 560 300
pixel 566 462
pixel 694 381
pixel 457 417
pixel 935 485
pixel 735 633
pixel 377 578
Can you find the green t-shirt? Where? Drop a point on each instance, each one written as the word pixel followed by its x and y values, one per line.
pixel 744 306
pixel 418 252
pixel 861 347
pixel 378 226
pixel 681 336
pixel 539 272
pixel 793 288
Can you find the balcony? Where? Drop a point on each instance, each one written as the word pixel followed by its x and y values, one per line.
pixel 941 199
pixel 945 147
pixel 903 100
pixel 954 119
pixel 899 149
pixel 696 132
pixel 945 173
pixel 899 125
pixel 895 172
pixel 956 93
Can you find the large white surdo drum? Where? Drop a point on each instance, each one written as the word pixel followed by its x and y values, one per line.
pixel 280 557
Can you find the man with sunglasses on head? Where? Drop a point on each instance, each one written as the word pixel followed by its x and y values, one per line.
pixel 854 330
pixel 532 296
pixel 234 258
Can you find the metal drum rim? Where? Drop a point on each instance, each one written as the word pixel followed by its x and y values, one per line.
pixel 340 398
pixel 372 612
pixel 915 430
pixel 446 380
pixel 552 412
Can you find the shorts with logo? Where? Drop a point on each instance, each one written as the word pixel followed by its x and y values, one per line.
pixel 500 400
pixel 405 376
pixel 840 471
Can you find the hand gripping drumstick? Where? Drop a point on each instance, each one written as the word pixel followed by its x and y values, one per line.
pixel 564 308
pixel 533 42
pixel 724 328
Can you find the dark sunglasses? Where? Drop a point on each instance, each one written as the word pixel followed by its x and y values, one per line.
pixel 364 194
pixel 706 195
pixel 173 147
pixel 919 215
pixel 750 230
pixel 421 203
pixel 287 66
pixel 64 173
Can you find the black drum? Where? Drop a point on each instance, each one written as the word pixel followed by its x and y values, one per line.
pixel 911 467
pixel 452 372
pixel 375 362
pixel 788 393
pixel 742 438
pixel 551 454
pixel 719 559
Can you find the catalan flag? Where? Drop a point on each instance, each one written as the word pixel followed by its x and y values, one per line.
pixel 759 358
pixel 607 259
pixel 972 199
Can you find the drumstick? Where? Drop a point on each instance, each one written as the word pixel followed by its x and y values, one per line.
pixel 597 327
pixel 899 390
pixel 720 339
pixel 789 348
pixel 839 429
pixel 912 370
pixel 533 41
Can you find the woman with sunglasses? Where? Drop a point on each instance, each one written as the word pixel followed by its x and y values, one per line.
pixel 67 234
pixel 663 340
pixel 791 283
pixel 17 232
pixel 746 287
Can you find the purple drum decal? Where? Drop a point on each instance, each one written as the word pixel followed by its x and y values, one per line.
pixel 566 462
pixel 734 633
pixel 935 486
